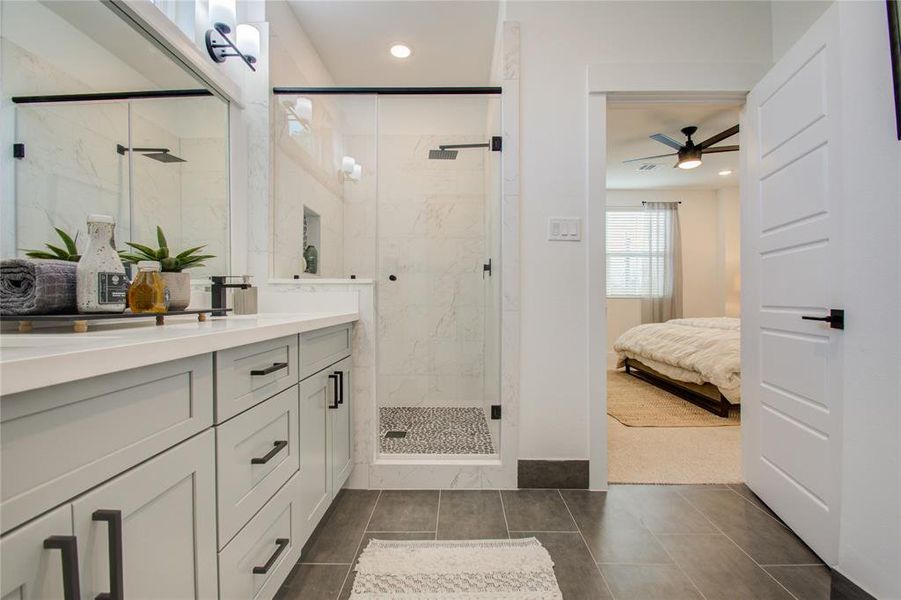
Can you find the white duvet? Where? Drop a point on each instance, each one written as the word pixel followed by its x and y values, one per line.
pixel 693 350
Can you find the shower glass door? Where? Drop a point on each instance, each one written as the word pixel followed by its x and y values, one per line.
pixel 438 228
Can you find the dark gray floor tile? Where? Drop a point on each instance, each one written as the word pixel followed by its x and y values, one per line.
pixel 720 569
pixel 536 510
pixel 649 582
pixel 405 510
pixel 314 582
pixel 764 538
pixel 577 574
pixel 470 515
pixel 745 492
pixel 806 583
pixel 337 536
pixel 660 508
pixel 612 532
pixel 349 585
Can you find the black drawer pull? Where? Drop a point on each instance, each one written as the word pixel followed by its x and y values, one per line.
pixel 276 448
pixel 337 392
pixel 269 370
pixel 113 520
pixel 282 543
pixel 68 547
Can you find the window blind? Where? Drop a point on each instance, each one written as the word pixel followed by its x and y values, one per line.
pixel 636 249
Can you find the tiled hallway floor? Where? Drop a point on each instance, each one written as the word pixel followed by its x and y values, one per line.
pixel 633 542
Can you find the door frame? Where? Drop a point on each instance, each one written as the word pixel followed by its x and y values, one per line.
pixel 633 83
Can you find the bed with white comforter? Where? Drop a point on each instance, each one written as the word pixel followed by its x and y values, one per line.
pixel 700 350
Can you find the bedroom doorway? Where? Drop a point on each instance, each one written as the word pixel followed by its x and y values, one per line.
pixel 672 292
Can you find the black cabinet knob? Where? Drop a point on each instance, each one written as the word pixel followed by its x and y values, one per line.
pixel 392 277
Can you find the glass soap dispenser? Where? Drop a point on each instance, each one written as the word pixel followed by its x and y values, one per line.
pixel 101 284
pixel 148 291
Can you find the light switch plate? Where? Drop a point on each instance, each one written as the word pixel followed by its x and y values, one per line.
pixel 564 229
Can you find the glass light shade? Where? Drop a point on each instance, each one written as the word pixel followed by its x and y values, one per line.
pixel 303 107
pixel 692 163
pixel 222 12
pixel 248 40
pixel 347 164
pixel 357 173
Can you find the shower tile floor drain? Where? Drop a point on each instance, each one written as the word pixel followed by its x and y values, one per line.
pixel 434 430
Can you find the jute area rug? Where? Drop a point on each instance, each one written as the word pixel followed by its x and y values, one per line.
pixel 636 403
pixel 459 570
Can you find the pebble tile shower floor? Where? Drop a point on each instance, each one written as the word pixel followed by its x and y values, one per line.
pixel 435 430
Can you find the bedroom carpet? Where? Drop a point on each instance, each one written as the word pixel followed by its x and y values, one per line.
pixel 636 403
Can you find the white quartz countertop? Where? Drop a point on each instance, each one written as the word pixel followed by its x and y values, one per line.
pixel 49 357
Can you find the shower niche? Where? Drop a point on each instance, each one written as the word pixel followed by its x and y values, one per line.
pixel 405 191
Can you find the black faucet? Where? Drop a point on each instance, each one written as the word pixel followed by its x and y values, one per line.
pixel 218 288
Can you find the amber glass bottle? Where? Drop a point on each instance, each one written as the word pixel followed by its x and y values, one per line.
pixel 148 291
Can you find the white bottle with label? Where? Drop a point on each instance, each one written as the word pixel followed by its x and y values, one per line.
pixel 102 285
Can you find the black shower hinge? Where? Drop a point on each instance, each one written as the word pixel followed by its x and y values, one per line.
pixel 495 411
pixel 497 143
pixel 18 150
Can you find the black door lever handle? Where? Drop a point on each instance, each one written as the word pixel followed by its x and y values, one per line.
pixel 836 318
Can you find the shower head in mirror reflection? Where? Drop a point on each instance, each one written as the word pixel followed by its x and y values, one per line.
pixel 159 154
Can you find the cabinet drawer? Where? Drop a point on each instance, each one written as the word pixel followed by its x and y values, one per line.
pixel 257 452
pixel 319 349
pixel 258 560
pixel 247 375
pixel 30 571
pixel 58 441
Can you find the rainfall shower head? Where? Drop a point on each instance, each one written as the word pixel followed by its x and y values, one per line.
pixel 449 151
pixel 442 154
pixel 159 154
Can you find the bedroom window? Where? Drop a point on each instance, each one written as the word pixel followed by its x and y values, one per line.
pixel 637 247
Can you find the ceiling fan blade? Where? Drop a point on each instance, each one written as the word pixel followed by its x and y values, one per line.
pixel 721 149
pixel 665 139
pixel 718 137
pixel 650 157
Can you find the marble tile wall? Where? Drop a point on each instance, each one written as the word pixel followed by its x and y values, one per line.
pixel 431 237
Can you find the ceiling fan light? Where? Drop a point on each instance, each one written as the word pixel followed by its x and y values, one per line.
pixel 689 163
pixel 689 158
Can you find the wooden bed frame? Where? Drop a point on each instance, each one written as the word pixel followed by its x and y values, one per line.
pixel 707 396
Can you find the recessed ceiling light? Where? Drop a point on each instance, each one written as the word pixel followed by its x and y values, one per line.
pixel 400 51
pixel 726 172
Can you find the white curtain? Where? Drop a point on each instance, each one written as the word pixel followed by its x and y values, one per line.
pixel 663 300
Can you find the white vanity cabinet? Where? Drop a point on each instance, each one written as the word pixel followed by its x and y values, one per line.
pixel 326 427
pixel 188 479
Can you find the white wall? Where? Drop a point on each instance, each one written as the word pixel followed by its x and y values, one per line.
pixel 703 270
pixel 729 250
pixel 558 41
pixel 791 18
pixel 870 544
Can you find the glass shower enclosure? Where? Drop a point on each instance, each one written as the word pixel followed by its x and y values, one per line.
pixel 404 189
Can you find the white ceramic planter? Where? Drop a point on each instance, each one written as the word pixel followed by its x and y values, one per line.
pixel 179 285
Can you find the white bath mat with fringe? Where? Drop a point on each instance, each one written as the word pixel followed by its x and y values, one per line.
pixel 518 569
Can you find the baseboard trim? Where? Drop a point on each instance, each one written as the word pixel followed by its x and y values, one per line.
pixel 845 589
pixel 563 474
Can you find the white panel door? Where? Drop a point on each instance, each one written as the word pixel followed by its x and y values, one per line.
pixel 792 242
pixel 151 532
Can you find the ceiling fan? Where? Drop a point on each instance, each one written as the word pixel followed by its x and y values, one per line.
pixel 689 153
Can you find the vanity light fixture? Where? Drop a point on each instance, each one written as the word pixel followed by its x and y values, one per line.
pixel 220 46
pixel 357 173
pixel 347 165
pixel 400 50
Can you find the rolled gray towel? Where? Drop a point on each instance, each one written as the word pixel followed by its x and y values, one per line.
pixel 37 287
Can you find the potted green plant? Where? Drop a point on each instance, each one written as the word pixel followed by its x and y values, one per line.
pixel 177 281
pixel 68 253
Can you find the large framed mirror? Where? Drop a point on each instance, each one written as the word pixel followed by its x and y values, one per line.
pixel 102 121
